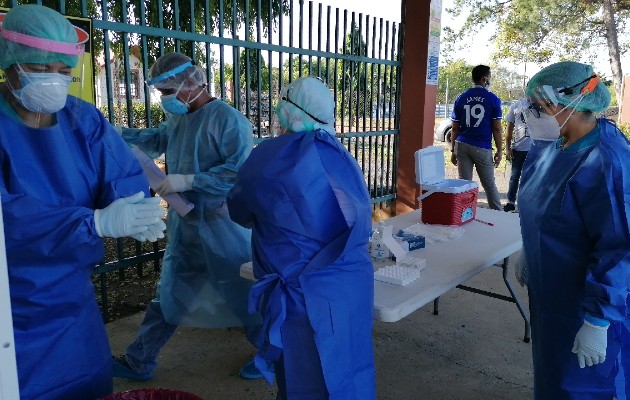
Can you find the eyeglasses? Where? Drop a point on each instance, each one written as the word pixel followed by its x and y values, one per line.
pixel 286 98
pixel 535 109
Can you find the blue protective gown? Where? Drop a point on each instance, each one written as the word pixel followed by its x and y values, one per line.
pixel 306 199
pixel 575 217
pixel 52 181
pixel 200 283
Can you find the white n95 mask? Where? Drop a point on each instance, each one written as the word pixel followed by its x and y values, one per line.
pixel 544 127
pixel 44 92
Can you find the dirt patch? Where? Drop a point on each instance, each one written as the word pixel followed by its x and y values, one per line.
pixel 130 290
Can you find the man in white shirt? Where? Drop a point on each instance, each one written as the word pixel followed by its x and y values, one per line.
pixel 518 143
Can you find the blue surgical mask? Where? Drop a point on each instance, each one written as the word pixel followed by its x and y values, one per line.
pixel 171 104
pixel 43 92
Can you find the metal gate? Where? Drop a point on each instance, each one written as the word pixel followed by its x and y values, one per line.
pixel 250 49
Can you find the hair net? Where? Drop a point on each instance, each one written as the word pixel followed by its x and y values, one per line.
pixel 38 21
pixel 166 74
pixel 574 75
pixel 303 102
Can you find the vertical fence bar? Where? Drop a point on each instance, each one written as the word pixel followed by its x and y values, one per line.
pixel 336 73
pixel 310 37
pixel 291 11
pixel 108 66
pixel 193 29
pixel 270 66
pixel 160 10
pixel 319 40
pixel 328 10
pixel 176 24
pixel 300 36
pixel 124 17
pixel 221 52
pixel 208 31
pixel 236 62
pixel 259 67
pixel 145 67
pixel 353 65
pixel 247 62
pixel 344 65
pixel 280 53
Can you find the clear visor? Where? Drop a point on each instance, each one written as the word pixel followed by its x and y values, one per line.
pixel 45 76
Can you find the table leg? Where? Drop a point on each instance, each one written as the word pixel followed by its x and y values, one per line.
pixel 505 268
pixel 436 303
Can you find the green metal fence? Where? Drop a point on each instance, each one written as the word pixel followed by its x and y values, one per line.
pixel 250 49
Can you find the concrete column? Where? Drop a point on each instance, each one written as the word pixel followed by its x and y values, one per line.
pixel 417 100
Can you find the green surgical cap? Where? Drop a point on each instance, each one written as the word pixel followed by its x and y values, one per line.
pixel 39 21
pixel 568 73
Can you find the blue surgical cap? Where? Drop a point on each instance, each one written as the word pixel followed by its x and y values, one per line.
pixel 567 74
pixel 38 21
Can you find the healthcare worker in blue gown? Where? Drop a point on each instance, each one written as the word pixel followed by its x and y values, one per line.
pixel 306 200
pixel 68 180
pixel 575 219
pixel 205 141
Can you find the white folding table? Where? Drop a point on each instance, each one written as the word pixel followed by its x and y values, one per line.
pixel 449 264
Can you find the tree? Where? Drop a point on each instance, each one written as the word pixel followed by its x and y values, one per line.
pixel 177 15
pixel 455 77
pixel 536 31
pixel 353 75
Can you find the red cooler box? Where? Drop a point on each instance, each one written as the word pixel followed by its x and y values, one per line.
pixel 444 201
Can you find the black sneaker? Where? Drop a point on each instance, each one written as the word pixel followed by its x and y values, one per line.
pixel 509 207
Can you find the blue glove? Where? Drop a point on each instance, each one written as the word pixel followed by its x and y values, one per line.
pixel 590 344
pixel 127 216
pixel 154 231
pixel 175 183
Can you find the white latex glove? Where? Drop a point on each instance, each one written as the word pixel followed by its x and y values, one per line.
pixel 127 216
pixel 175 183
pixel 154 231
pixel 590 344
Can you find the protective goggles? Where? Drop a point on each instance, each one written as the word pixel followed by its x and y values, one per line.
pixel 550 95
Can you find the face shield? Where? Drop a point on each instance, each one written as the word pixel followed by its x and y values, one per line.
pixel 179 87
pixel 42 72
pixel 548 102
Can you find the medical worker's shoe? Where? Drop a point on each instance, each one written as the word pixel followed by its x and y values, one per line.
pixel 509 207
pixel 121 369
pixel 250 371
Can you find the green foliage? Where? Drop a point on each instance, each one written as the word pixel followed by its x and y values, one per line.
pixel 140 117
pixel 625 129
pixel 177 16
pixel 455 76
pixel 543 31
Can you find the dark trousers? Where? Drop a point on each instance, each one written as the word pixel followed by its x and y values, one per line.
pixel 518 159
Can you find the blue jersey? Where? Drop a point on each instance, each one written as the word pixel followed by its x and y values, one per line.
pixel 475 109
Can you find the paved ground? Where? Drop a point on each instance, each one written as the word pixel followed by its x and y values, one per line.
pixel 473 350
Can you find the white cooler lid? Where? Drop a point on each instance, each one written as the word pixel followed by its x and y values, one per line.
pixel 430 169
